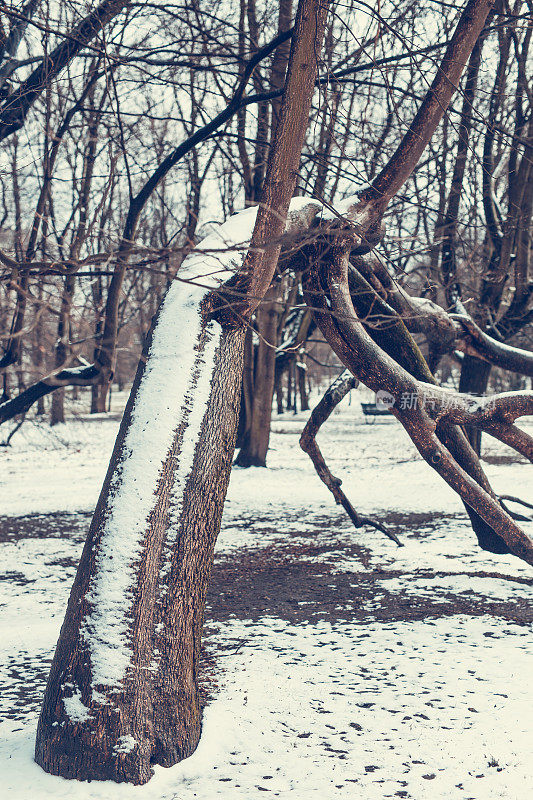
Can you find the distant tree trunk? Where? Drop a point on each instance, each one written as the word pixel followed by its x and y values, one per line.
pixel 57 407
pixel 255 441
pixel 94 399
pixel 294 380
pixel 98 390
pixel 247 392
pixel 41 408
pixel 99 397
pixel 5 388
pixel 57 410
pixel 38 352
pixel 290 402
pixel 123 687
pixel 474 379
pixel 302 388
pixel 278 383
pixel 256 409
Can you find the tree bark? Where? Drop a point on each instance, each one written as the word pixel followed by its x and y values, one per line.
pixel 157 701
pixel 474 379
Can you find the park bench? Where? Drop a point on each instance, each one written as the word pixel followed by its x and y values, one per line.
pixel 371 411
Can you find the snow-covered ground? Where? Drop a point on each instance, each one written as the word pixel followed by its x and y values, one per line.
pixel 345 666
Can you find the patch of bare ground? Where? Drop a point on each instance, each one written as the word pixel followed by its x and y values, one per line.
pixel 298 581
pixel 63 525
pixel 297 576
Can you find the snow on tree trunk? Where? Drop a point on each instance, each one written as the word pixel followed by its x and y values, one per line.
pixel 122 692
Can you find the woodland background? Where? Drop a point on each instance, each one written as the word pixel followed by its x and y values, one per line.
pixel 103 156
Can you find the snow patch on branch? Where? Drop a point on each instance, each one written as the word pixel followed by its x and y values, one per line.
pixel 125 744
pixel 350 208
pixel 488 402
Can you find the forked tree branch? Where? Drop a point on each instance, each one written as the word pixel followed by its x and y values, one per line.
pixel 398 169
pixel 381 303
pixel 388 327
pixel 16 107
pixel 328 291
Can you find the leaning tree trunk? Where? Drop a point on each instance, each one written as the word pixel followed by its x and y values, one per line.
pixel 122 692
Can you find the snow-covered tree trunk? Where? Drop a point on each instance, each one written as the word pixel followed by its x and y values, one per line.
pixel 127 659
pixel 122 692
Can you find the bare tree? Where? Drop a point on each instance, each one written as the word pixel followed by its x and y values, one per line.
pixel 137 654
pixel 131 637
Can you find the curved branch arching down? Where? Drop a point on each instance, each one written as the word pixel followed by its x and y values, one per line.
pixel 328 293
pixel 387 327
pixel 320 414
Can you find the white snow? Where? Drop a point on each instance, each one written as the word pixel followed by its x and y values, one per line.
pixel 75 709
pixel 347 208
pixel 125 744
pixel 435 709
pixel 362 706
pixel 162 404
pixel 197 398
